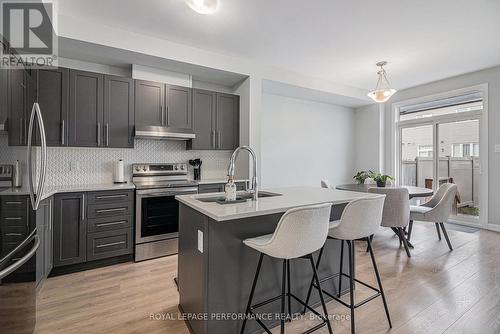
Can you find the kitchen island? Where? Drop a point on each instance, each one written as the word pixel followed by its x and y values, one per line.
pixel 215 268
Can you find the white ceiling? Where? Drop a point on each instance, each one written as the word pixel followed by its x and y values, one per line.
pixel 339 41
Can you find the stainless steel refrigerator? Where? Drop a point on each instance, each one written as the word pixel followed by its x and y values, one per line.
pixel 19 243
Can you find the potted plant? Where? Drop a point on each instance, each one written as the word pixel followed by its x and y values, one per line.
pixel 361 176
pixel 380 178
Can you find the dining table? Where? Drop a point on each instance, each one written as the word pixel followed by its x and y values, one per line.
pixel 412 190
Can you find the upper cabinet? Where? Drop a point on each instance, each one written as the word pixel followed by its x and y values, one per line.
pixel 85 108
pixel 4 94
pixel 118 112
pixel 18 102
pixel 215 121
pixel 149 103
pixel 53 98
pixel 179 107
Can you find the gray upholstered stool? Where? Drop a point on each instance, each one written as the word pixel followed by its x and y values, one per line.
pixel 300 232
pixel 361 219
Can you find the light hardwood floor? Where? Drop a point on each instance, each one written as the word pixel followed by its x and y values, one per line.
pixel 436 291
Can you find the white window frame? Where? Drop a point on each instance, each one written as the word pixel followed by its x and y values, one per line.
pixel 481 115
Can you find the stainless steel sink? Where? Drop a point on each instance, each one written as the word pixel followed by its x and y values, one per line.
pixel 240 197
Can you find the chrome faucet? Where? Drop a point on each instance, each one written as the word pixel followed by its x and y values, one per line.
pixel 230 170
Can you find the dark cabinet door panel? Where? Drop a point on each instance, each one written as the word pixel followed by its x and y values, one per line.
pixel 53 98
pixel 204 109
pixel 179 109
pixel 118 112
pixel 227 121
pixel 4 94
pixel 149 103
pixel 17 120
pixel 85 113
pixel 70 229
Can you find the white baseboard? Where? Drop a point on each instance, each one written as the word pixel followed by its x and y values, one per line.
pixel 493 227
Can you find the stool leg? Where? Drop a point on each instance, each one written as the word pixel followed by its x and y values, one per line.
pixel 446 235
pixel 289 290
pixel 404 241
pixel 341 265
pixel 283 294
pixel 350 243
pixel 438 232
pixel 379 281
pixel 316 278
pixel 249 304
pixel 312 280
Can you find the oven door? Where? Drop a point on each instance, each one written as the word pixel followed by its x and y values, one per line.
pixel 157 213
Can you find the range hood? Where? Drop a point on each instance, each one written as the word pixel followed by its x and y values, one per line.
pixel 163 133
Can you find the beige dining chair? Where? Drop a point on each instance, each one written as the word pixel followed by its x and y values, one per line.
pixel 396 213
pixel 437 210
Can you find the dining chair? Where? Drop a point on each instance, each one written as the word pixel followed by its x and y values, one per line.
pixel 437 210
pixel 396 213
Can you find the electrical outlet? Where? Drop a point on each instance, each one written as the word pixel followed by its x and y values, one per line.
pixel 497 148
pixel 73 166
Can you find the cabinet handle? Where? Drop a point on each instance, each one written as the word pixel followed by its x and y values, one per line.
pixel 13 218
pixel 13 234
pixel 213 139
pixel 218 139
pixel 162 115
pixel 13 203
pixel 107 134
pixel 110 196
pixel 110 244
pixel 168 117
pixel 112 223
pixel 83 207
pixel 98 134
pixel 62 133
pixel 21 125
pixel 111 210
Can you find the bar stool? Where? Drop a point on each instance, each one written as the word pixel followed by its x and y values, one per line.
pixel 361 219
pixel 300 232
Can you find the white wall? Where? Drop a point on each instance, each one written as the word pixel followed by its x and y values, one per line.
pixel 367 138
pixel 303 142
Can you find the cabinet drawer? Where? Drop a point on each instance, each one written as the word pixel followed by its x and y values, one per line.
pixel 109 223
pixel 115 196
pixel 14 205
pixel 14 220
pixel 110 210
pixel 102 245
pixel 14 230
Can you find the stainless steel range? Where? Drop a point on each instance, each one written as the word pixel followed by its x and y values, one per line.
pixel 157 211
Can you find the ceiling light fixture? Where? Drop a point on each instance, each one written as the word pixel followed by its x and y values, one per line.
pixel 203 6
pixel 383 90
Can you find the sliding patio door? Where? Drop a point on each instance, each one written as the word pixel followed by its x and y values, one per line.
pixel 439 142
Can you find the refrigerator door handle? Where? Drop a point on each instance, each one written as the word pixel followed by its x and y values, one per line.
pixel 36 196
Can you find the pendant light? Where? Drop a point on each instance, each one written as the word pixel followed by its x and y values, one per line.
pixel 383 90
pixel 203 6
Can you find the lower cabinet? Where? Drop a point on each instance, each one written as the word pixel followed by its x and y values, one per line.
pixel 44 254
pixel 70 229
pixel 86 232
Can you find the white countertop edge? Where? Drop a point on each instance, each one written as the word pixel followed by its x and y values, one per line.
pixel 192 202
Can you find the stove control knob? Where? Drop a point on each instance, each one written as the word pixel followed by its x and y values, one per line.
pixel 182 167
pixel 176 167
pixel 137 168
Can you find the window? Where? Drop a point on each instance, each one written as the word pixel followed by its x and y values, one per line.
pixel 465 150
pixel 425 151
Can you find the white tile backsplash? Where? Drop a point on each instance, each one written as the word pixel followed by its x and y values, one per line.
pixel 68 166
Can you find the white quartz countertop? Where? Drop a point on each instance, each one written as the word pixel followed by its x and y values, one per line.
pixel 291 197
pixel 52 190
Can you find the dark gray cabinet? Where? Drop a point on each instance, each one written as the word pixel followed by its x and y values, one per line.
pixel 86 109
pixel 70 229
pixel 215 121
pixel 18 118
pixel 204 111
pixel 4 94
pixel 227 121
pixel 149 103
pixel 118 112
pixel 53 98
pixel 44 255
pixel 179 107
